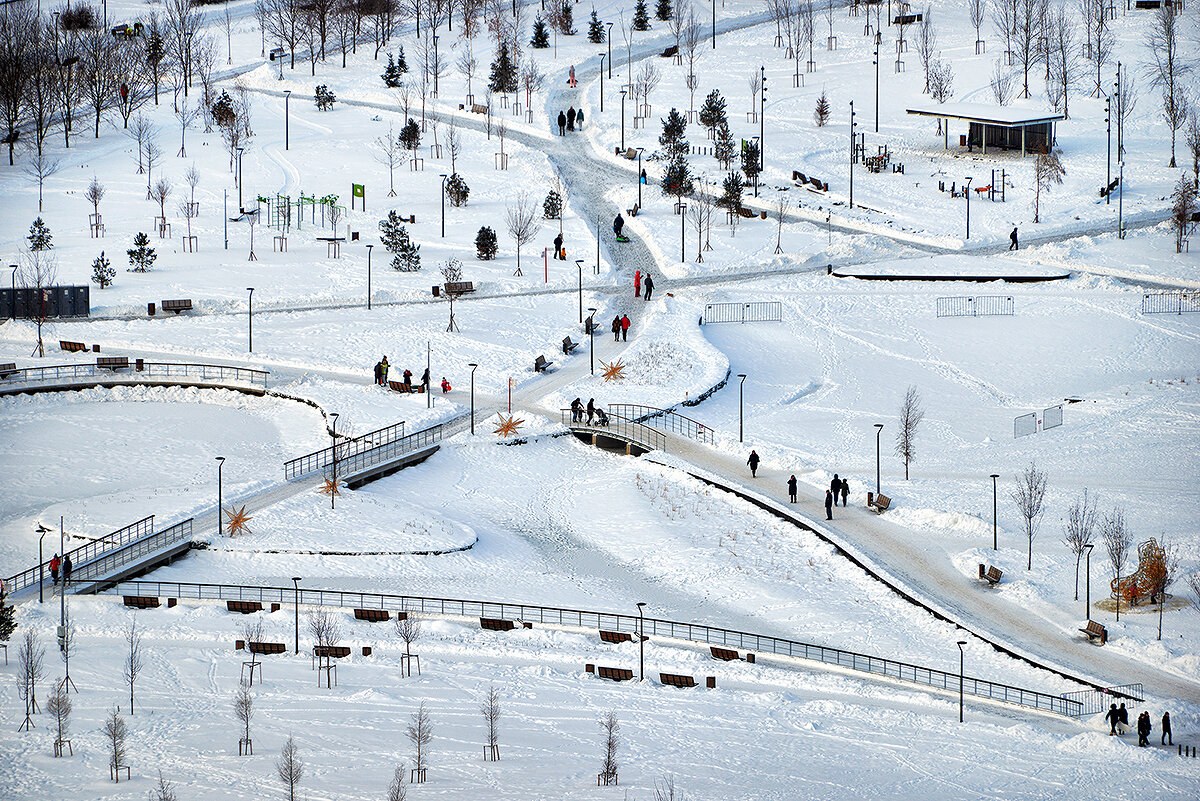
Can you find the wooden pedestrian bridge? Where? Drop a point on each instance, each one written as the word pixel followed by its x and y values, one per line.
pixel 634 428
pixel 122 371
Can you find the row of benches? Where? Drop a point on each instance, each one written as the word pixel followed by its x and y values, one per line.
pixel 802 179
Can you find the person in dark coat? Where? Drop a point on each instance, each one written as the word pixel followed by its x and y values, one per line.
pixel 792 489
pixel 835 487
pixel 66 568
pixel 378 373
pixel 1166 729
pixel 1122 720
pixel 616 328
pixel 562 124
pixel 618 224
pixel 576 410
pixel 625 328
pixel 558 249
pixel 642 178
pixel 579 119
pixel 54 563
pixel 649 282
pixel 1111 717
pixel 828 505
pixel 845 491
pixel 753 462
pixel 591 410
pixel 1143 729
pixel 425 379
pixel 408 380
pixel 1012 240
pixel 571 119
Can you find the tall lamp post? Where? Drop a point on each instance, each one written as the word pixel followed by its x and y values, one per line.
pixel 250 320
pixel 878 430
pixel 220 502
pixel 623 91
pixel 609 24
pixel 1088 597
pixel 287 98
pixel 602 57
pixel 240 150
pixel 762 121
pixel 473 367
pixel 436 70
pixel 579 264
pixel 592 336
pixel 741 406
pixel 682 231
pixel 42 562
pixel 14 290
pixel 961 643
pixel 967 192
pixel 641 641
pixel 333 487
pixel 443 205
pixel 369 276
pixel 639 177
pixel 852 154
pixel 877 84
pixel 994 477
pixel 714 5
pixel 296 605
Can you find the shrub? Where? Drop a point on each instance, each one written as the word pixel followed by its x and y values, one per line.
pixel 485 244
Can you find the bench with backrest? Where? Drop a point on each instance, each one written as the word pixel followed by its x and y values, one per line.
pixel 400 386
pixel 590 326
pixel 142 601
pixel 568 345
pixel 113 362
pixel 1096 631
pixel 673 50
pixel 495 624
pixel 724 654
pixel 615 636
pixel 629 152
pixel 991 575
pixel 71 347
pixel 266 647
pixel 245 607
pixel 7 369
pixel 372 615
pixel 540 364
pixel 673 680
pixel 879 503
pixel 616 674
pixel 459 287
pixel 477 108
pixel 331 651
pixel 176 306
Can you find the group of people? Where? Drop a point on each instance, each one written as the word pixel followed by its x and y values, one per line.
pixel 639 282
pixel 593 412
pixel 620 328
pixel 838 487
pixel 568 121
pixel 1118 721
pixel 381 378
pixel 559 251
pixel 63 564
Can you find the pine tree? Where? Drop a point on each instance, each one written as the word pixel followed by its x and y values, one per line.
pixel 457 190
pixel 677 177
pixel 141 255
pixel 723 145
pixel 552 206
pixel 732 196
pixel 751 162
pixel 641 17
pixel 39 236
pixel 673 138
pixel 595 29
pixel 324 98
pixel 541 37
pixel 485 244
pixel 401 64
pixel 663 10
pixel 393 75
pixel 102 272
pixel 503 79
pixel 410 135
pixel 821 114
pixel 406 256
pixel 566 20
pixel 8 622
pixel 712 113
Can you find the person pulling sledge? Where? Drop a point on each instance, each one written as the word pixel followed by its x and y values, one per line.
pixel 445 385
pixel 618 226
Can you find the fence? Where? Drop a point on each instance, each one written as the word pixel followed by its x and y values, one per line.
pixel 348 449
pixel 770 311
pixel 1052 417
pixel 691 632
pixel 1093 702
pixel 976 306
pixel 620 428
pixel 139 372
pixel 416 441
pixel 132 552
pixel 1170 302
pixel 1025 425
pixel 663 418
pixel 85 553
pixel 55 301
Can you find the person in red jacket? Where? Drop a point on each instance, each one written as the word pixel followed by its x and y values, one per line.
pixel 445 385
pixel 54 563
pixel 625 328
pixel 637 284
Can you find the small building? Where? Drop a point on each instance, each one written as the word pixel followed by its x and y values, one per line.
pixel 996 127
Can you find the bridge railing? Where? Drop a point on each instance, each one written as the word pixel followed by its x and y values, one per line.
pixel 666 419
pixel 346 449
pixel 765 311
pixel 132 552
pixel 610 621
pixel 84 554
pixel 619 427
pixel 1172 302
pixel 148 372
pixel 416 441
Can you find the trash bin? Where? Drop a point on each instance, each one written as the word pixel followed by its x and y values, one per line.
pixel 150 309
pixel 962 140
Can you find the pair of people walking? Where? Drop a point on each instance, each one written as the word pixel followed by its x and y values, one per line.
pixel 638 284
pixel 381 371
pixel 839 487
pixel 620 328
pixel 559 251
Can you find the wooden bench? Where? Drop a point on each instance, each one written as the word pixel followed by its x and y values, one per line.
pixel 400 386
pixel 540 364
pixel 616 674
pixel 615 636
pixel 267 647
pixel 176 306
pixel 113 362
pixel 629 152
pixel 672 680
pixel 331 651
pixel 879 503
pixel 907 19
pixel 7 369
pixel 459 287
pixel 476 108
pixel 142 601
pixel 673 50
pixel 992 575
pixel 589 326
pixel 1095 631
pixel 71 347
pixel 493 624
pixel 724 654
pixel 245 607
pixel 372 615
pixel 568 345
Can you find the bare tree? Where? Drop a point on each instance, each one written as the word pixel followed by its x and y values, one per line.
pixel 926 43
pixel 164 790
pixel 664 789
pixel 523 221
pixel 420 734
pixel 1063 56
pixel 781 207
pixel 1029 494
pixel 1027 34
pixel 1169 69
pixel 1001 83
pixel 142 132
pixel 490 709
pixel 326 630
pixel 115 735
pixel 134 659
pixel 18 53
pixel 1183 207
pixel 1126 97
pixel 453 144
pixel 467 64
pixel 755 84
pixel 1192 138
pixel 1080 523
pixel 38 269
pixel 941 80
pixel 396 790
pixel 911 415
pixel 243 710
pixel 1193 582
pixel 30 669
pixel 42 95
pixel 1100 40
pixel 68 645
pixel 1117 541
pixel 94 194
pixel 612 741
pixel 58 705
pixel 289 767
pixel 531 78
pixel 98 77
pixel 1048 172
pixel 159 194
pixel 391 153
pixel 978 10
pixel 1161 573
pixel 41 165
pixel 187 117
pixel 153 157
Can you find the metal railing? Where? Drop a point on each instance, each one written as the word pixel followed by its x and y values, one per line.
pixel 620 428
pixel 1025 425
pixel 976 306
pixel 667 419
pixel 691 632
pixel 84 554
pixel 1052 417
pixel 132 552
pixel 768 311
pixel 1170 302
pixel 347 449
pixel 416 441
pixel 138 372
pixel 1093 702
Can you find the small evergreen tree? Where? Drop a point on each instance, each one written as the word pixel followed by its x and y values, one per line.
pixel 503 79
pixel 401 64
pixel 324 98
pixel 393 76
pixel 40 236
pixel 541 37
pixel 595 29
pixel 732 191
pixel 677 177
pixel 567 20
pixel 821 114
pixel 751 162
pixel 102 272
pixel 553 205
pixel 641 17
pixel 410 135
pixel 141 255
pixel 712 113
pixel 663 10
pixel 406 256
pixel 723 145
pixel 8 620
pixel 485 244
pixel 673 138
pixel 457 190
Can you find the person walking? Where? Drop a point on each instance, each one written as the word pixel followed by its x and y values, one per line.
pixel 66 569
pixel 425 379
pixel 1144 728
pixel 625 328
pixel 591 410
pixel 1166 729
pixel 383 372
pixel 637 283
pixel 618 224
pixel 845 491
pixel 408 380
pixel 558 248
pixel 1012 243
pixel 445 385
pixel 642 177
pixel 571 119
pixel 562 124
pixel 1111 717
pixel 1122 720
pixel 649 286
pixel 579 119
pixel 571 80
pixel 753 462
pixel 616 328
pixel 378 373
pixel 576 410
pixel 828 505
pixel 835 487
pixel 792 489
pixel 54 563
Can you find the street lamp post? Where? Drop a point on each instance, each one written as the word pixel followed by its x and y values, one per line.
pixel 1088 597
pixel 296 605
pixel 602 57
pixel 473 367
pixel 994 477
pixel 579 264
pixel 220 502
pixel 641 641
pixel 250 321
pixel 609 24
pixel 682 231
pixel 967 192
pixel 42 562
pixel 14 290
pixel 333 486
pixel 443 205
pixel 1108 157
pixel 639 178
pixel 240 150
pixel 428 366
pixel 369 276
pixel 287 98
pixel 435 65
pixel 878 430
pixel 762 130
pixel 623 91
pixel 852 154
pixel 741 407
pixel 592 336
pixel 961 643
pixel 714 5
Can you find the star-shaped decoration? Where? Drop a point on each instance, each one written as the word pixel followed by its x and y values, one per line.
pixel 236 520
pixel 614 371
pixel 508 426
pixel 331 487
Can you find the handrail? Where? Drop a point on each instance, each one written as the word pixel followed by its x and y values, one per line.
pixel 132 552
pixel 85 553
pixel 620 427
pixel 349 465
pixel 680 424
pixel 89 374
pixel 317 460
pixel 612 621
